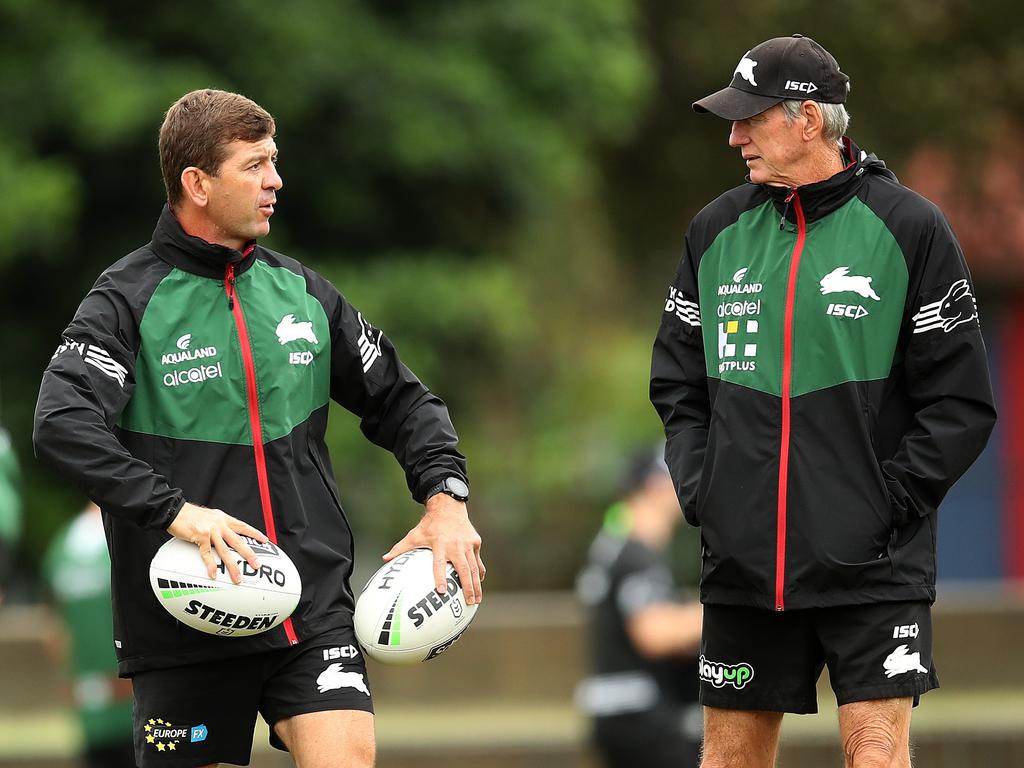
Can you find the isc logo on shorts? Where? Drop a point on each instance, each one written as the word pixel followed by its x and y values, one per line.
pixel 905 630
pixel 340 652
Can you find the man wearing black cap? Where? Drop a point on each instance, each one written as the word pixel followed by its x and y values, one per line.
pixel 822 379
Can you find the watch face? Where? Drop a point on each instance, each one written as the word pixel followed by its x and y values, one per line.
pixel 457 487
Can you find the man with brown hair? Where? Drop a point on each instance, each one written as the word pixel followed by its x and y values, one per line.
pixel 189 396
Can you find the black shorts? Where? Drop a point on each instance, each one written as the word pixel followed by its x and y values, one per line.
pixel 205 713
pixel 756 659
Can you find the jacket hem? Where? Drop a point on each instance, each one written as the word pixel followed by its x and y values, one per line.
pixel 309 631
pixel 823 599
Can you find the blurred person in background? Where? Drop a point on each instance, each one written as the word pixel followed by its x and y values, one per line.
pixel 642 690
pixel 189 398
pixel 822 378
pixel 77 569
pixel 10 508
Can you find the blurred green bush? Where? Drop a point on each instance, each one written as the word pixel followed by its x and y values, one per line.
pixel 502 187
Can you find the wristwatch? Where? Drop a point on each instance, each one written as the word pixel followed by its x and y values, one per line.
pixel 453 486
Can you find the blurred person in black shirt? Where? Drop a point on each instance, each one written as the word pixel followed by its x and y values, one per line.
pixel 642 691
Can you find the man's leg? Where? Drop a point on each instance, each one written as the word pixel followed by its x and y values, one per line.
pixel 181 719
pixel 319 704
pixel 876 734
pixel 735 738
pixel 880 661
pixel 330 739
pixel 755 664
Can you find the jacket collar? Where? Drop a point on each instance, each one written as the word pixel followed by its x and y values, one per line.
pixel 193 254
pixel 823 197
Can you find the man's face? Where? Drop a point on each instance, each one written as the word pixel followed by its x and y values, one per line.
pixel 771 147
pixel 243 193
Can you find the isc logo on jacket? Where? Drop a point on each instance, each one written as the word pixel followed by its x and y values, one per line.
pixel 289 330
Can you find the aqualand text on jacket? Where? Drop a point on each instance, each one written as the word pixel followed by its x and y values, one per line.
pixel 195 372
pixel 823 382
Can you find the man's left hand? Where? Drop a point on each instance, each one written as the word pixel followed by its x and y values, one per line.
pixel 446 530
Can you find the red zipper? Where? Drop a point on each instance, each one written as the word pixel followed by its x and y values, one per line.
pixel 787 379
pixel 235 305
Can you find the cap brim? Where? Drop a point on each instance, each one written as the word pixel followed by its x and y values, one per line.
pixel 733 104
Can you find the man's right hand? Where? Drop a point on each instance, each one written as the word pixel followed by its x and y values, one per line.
pixel 211 529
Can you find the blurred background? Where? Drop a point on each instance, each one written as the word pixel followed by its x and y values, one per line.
pixel 503 188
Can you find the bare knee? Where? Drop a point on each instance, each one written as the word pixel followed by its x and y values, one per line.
pixel 876 734
pixel 329 739
pixel 871 745
pixel 360 751
pixel 363 752
pixel 740 739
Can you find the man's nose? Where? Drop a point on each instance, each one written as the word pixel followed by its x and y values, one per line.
pixel 738 136
pixel 273 180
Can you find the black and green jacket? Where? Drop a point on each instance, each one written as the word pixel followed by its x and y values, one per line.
pixel 196 372
pixel 822 379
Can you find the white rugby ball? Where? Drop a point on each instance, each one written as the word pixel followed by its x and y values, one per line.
pixel 265 597
pixel 400 616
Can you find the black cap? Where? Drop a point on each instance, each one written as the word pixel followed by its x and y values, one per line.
pixel 782 68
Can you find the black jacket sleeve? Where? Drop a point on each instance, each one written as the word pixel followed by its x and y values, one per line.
pixel 397 411
pixel 85 387
pixel 947 377
pixel 679 386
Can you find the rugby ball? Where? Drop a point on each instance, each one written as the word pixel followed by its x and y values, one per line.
pixel 400 616
pixel 265 597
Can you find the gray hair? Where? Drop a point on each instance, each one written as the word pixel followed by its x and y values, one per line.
pixel 834 116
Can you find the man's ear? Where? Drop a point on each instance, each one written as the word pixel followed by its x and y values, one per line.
pixel 814 120
pixel 195 185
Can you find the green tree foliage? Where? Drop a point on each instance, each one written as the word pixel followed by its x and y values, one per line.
pixel 946 72
pixel 424 147
pixel 501 186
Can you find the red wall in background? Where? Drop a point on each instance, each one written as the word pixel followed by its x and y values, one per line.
pixel 1011 416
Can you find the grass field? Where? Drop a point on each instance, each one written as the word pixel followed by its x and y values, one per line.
pixel 546 726
pixel 501 699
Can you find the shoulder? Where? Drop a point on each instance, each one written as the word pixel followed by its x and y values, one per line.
pixel 722 212
pixel 894 202
pixel 917 225
pixel 127 284
pixel 274 258
pixel 316 284
pixel 134 270
pixel 277 259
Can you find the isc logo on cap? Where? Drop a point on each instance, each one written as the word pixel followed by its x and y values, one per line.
pixel 795 85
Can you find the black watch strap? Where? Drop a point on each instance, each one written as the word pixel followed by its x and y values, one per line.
pixel 455 487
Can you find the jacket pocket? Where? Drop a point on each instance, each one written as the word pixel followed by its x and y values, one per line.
pixel 325 479
pixel 692 510
pixel 912 551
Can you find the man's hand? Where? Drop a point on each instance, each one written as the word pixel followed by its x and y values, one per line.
pixel 211 529
pixel 445 529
